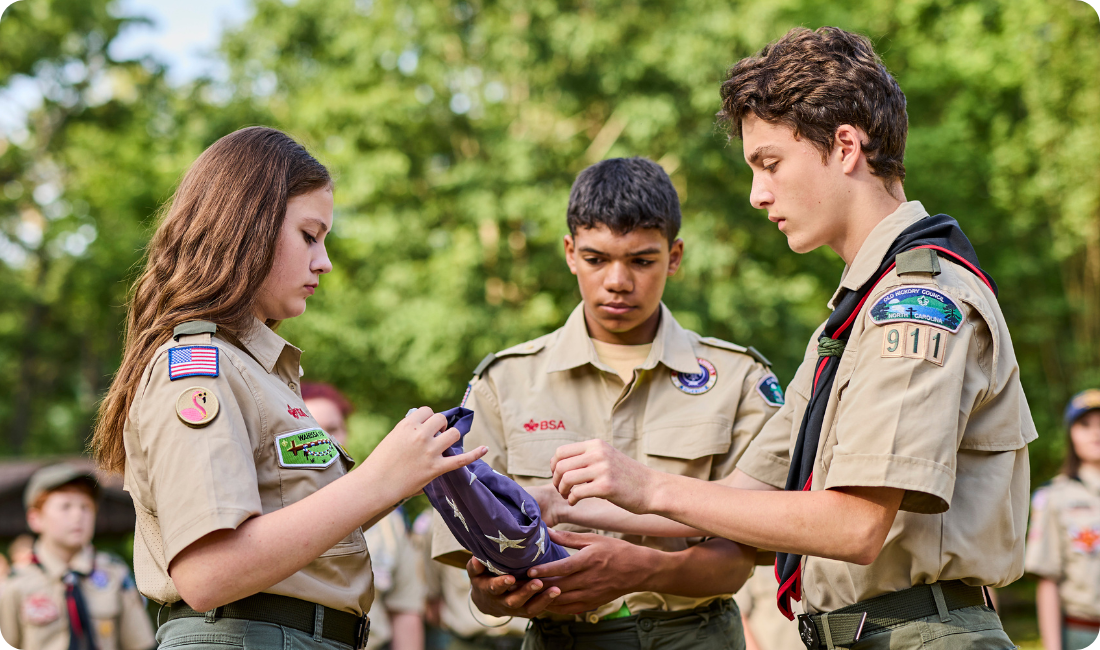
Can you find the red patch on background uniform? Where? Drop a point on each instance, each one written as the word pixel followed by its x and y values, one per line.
pixel 1086 540
pixel 544 425
pixel 39 609
pixel 296 412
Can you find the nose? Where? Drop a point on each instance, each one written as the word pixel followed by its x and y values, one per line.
pixel 759 196
pixel 618 278
pixel 321 263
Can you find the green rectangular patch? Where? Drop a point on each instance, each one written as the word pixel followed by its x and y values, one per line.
pixel 306 449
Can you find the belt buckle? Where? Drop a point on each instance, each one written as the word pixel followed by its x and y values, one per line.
pixel 362 631
pixel 808 632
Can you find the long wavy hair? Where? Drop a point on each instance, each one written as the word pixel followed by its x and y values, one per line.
pixel 212 250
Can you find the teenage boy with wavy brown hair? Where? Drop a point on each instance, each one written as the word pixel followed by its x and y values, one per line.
pixel 894 482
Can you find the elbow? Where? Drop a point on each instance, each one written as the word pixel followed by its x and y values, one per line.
pixel 202 593
pixel 198 598
pixel 866 545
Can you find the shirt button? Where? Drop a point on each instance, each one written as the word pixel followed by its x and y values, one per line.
pixel 646 624
pixel 592 618
pixel 292 385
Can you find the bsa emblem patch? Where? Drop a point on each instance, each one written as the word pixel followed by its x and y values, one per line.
pixel 39 609
pixel 916 304
pixel 699 382
pixel 306 449
pixel 771 391
pixel 99 579
pixel 192 360
pixel 197 406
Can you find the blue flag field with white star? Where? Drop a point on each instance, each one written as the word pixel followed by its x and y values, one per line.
pixel 490 514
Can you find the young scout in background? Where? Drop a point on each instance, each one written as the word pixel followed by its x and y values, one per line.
pixel 1063 545
pixel 397 613
pixel 623 370
pixel 766 628
pixel 67 575
pixel 902 448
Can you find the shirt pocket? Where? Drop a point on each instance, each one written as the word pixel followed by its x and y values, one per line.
pixel 353 544
pixel 530 453
pixel 687 448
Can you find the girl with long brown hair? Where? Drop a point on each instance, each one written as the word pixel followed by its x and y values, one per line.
pixel 249 522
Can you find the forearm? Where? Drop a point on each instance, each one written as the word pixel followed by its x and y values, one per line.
pixel 599 514
pixel 408 631
pixel 1049 606
pixel 849 525
pixel 716 566
pixel 228 565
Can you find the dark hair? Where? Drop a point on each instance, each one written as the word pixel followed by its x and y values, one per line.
pixel 815 81
pixel 320 390
pixel 212 250
pixel 1071 466
pixel 624 194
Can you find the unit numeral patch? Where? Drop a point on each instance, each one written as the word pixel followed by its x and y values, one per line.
pixel 915 342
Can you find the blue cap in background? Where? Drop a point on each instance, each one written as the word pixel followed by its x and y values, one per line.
pixel 1083 402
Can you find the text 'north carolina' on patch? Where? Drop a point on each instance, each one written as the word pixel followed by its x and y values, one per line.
pixel 917 304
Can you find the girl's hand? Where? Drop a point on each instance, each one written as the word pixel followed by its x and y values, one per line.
pixel 412 454
pixel 594 468
pixel 555 509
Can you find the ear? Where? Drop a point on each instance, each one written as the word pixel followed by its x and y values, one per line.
pixel 34 520
pixel 570 253
pixel 675 256
pixel 848 147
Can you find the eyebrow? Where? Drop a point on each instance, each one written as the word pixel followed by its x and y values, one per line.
pixel 760 152
pixel 322 224
pixel 645 251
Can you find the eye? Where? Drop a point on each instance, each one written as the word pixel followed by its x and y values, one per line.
pixel 592 260
pixel 643 262
pixel 310 239
pixel 771 167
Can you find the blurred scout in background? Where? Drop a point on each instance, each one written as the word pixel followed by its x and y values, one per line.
pixel 396 615
pixel 69 595
pixel 1063 545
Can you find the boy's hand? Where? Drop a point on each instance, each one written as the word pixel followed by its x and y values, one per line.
pixel 596 469
pixel 502 596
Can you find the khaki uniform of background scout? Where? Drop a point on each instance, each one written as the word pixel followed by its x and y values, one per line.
pixel 1063 544
pixel 33 611
pixel 948 426
pixel 398 577
pixel 189 481
pixel 556 390
pixel 762 618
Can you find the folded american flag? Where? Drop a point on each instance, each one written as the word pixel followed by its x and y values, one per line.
pixel 489 513
pixel 191 360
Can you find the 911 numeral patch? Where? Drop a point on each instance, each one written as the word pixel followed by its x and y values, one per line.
pixel 915 342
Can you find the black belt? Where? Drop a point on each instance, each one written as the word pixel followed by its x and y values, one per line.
pixel 337 626
pixel 849 624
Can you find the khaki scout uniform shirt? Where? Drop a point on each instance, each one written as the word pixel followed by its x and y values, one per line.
pixel 768 625
pixel 188 482
pixel 953 436
pixel 554 390
pixel 33 610
pixel 398 577
pixel 1063 544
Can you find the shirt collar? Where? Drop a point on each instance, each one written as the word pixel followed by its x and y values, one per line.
pixel 266 347
pixel 671 346
pixel 83 562
pixel 1090 478
pixel 874 249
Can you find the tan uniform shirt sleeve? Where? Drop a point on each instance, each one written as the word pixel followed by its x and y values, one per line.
pixel 135 631
pixel 900 420
pixel 1044 539
pixel 487 430
pixel 201 479
pixel 409 587
pixel 752 414
pixel 11 599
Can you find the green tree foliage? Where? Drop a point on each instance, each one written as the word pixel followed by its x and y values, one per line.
pixel 455 130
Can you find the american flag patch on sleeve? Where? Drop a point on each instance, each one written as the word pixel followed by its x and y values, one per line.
pixel 192 360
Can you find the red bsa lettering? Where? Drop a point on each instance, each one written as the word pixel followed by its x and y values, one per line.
pixel 296 412
pixel 543 425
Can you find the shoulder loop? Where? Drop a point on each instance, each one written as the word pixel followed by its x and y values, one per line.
pixel 485 363
pixel 918 260
pixel 719 343
pixel 193 327
pixel 755 354
pixel 523 349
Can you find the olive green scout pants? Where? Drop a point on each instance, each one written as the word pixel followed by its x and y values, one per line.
pixel 714 627
pixel 970 628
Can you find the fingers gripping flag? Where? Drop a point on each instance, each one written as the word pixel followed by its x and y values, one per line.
pixel 489 513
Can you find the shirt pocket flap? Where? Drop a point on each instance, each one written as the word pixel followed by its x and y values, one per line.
pixel 529 454
pixel 354 543
pixel 689 440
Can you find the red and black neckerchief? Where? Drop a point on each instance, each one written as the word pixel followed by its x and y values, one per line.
pixel 81 636
pixel 940 233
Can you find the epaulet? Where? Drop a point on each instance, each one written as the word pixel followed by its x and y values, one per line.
pixel 917 260
pixel 193 327
pixel 530 347
pixel 733 347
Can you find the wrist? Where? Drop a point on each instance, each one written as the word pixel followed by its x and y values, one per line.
pixel 654 493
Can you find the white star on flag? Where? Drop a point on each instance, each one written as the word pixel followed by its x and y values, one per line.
pixel 458 514
pixel 489 565
pixel 473 477
pixel 505 542
pixel 541 544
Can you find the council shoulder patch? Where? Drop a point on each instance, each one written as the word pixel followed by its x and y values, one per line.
pixel 699 382
pixel 197 406
pixel 917 304
pixel 771 391
pixel 306 449
pixel 191 361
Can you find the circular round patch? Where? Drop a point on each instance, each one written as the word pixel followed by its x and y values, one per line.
pixel 699 382
pixel 197 406
pixel 39 609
